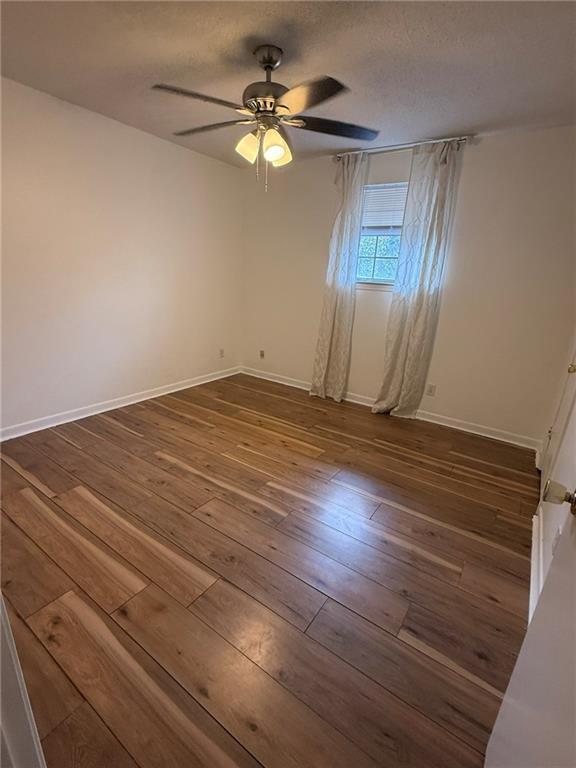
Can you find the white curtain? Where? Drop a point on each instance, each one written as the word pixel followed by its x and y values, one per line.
pixel 416 296
pixel 332 360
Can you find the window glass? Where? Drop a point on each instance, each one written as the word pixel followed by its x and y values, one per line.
pixel 382 218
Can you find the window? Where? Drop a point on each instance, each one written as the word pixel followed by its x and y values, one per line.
pixel 382 217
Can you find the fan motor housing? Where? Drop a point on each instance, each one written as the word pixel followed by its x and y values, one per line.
pixel 262 96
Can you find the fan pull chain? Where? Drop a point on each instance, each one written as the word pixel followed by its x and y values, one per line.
pixel 266 177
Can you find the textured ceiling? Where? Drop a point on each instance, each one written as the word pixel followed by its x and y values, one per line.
pixel 416 69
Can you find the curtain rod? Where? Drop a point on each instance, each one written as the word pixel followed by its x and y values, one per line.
pixel 398 147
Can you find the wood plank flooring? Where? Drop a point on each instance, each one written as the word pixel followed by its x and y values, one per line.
pixel 241 575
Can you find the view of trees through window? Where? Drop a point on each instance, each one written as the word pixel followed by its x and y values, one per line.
pixel 378 255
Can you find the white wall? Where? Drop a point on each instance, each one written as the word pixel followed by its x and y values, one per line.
pixel 121 259
pixel 285 282
pixel 129 262
pixel 508 304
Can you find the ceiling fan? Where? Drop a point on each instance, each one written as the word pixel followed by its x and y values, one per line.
pixel 269 107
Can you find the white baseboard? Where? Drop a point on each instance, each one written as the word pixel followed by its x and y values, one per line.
pixel 298 383
pixel 479 429
pixel 301 384
pixel 25 427
pixel 435 418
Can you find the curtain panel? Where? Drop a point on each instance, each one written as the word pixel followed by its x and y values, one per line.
pixel 416 296
pixel 333 348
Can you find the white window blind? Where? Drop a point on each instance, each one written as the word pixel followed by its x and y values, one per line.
pixel 384 205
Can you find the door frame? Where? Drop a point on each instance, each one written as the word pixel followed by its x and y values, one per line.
pixel 21 746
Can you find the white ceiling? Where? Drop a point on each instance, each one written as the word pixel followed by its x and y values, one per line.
pixel 416 69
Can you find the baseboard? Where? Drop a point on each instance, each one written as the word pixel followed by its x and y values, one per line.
pixel 298 383
pixel 301 384
pixel 24 428
pixel 435 418
pixel 479 429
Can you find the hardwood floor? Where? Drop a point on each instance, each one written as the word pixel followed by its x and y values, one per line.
pixel 240 575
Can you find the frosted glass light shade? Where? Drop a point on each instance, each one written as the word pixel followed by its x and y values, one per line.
pixel 275 147
pixel 287 158
pixel 248 146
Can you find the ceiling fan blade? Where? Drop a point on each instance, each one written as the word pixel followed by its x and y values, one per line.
pixel 200 96
pixel 310 94
pixel 213 127
pixel 334 127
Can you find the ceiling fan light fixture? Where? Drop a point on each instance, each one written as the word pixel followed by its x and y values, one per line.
pixel 248 146
pixel 284 160
pixel 270 107
pixel 275 147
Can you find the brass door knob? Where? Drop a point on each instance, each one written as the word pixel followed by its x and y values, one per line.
pixel 556 493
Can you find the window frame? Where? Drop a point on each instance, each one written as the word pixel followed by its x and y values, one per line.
pixel 376 284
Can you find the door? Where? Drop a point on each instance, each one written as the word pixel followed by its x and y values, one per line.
pixel 557 463
pixel 536 725
pixel 560 421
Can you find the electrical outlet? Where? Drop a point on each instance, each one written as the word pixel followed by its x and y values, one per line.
pixel 431 390
pixel 261 354
pixel 221 353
